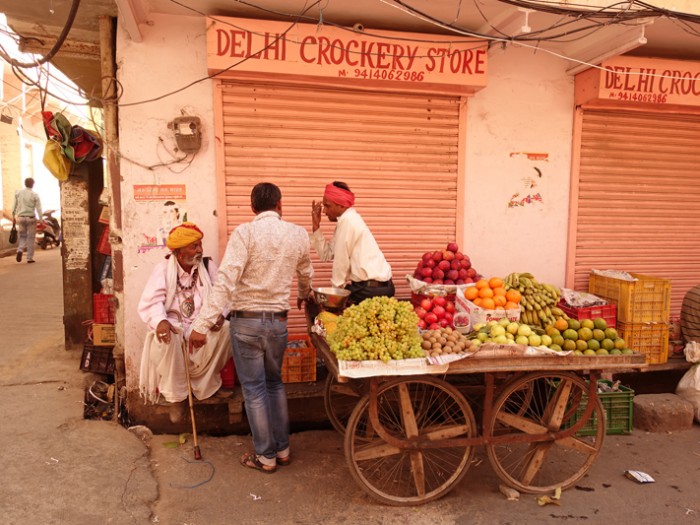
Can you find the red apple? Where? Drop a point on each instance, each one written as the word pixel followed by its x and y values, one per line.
pixel 437 256
pixel 444 265
pixel 438 274
pixel 459 256
pixel 460 281
pixel 440 300
pixel 428 280
pixel 427 255
pixel 463 274
pixel 465 263
pixel 471 272
pixel 439 311
pixel 447 255
pixel 454 265
pixel 469 280
pixel 426 272
pixel 430 263
pixel 426 304
pixel 453 247
pixel 430 318
pixel 420 312
pixel 449 281
pixel 453 275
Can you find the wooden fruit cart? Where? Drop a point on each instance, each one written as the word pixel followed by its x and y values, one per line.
pixel 409 439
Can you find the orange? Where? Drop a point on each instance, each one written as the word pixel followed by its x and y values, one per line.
pixel 471 293
pixel 510 305
pixel 513 295
pixel 486 292
pixel 500 300
pixel 499 308
pixel 482 283
pixel 478 301
pixel 487 303
pixel 495 282
pixel 499 291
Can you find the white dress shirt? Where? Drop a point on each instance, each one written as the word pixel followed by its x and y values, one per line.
pixel 354 251
pixel 262 257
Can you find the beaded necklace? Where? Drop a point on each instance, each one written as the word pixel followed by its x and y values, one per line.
pixel 187 292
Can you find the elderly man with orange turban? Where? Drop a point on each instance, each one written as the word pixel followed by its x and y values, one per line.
pixel 358 264
pixel 170 302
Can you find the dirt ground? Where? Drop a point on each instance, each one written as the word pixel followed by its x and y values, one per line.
pixel 59 468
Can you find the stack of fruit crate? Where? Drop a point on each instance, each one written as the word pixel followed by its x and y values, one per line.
pixel 643 311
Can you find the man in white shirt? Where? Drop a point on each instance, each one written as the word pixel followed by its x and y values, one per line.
pixel 358 264
pixel 261 260
pixel 170 302
pixel 26 212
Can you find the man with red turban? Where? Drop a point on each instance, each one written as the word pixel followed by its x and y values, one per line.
pixel 171 300
pixel 358 264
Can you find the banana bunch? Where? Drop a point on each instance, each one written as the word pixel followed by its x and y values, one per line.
pixel 538 305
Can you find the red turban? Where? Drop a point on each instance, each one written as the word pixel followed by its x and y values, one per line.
pixel 183 235
pixel 339 196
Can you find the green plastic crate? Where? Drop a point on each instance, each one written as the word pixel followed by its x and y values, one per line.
pixel 618 411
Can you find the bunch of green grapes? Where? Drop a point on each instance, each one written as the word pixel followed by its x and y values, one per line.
pixel 377 328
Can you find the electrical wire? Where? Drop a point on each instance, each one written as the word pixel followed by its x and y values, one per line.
pixel 56 47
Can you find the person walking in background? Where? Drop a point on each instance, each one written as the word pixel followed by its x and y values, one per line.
pixel 26 212
pixel 170 302
pixel 358 264
pixel 262 257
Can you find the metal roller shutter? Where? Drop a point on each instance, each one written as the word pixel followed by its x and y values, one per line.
pixel 398 153
pixel 638 194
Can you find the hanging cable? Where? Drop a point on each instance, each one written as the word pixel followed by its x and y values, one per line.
pixel 56 47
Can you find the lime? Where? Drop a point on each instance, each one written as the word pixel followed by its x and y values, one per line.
pixel 587 323
pixel 598 334
pixel 600 323
pixel 608 344
pixel 620 343
pixel 581 345
pixel 571 334
pixel 574 324
pixel 594 344
pixel 569 345
pixel 602 351
pixel 557 340
pixel 611 333
pixel 589 352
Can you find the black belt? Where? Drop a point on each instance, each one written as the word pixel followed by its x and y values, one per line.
pixel 246 314
pixel 373 284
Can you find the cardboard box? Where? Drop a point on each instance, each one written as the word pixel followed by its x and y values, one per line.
pixel 479 315
pixel 103 335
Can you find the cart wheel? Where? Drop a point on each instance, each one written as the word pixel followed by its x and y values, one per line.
pixel 424 407
pixel 537 403
pixel 340 399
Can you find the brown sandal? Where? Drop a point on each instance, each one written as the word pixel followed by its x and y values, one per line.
pixel 283 462
pixel 250 460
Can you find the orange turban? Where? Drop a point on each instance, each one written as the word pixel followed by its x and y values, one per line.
pixel 183 235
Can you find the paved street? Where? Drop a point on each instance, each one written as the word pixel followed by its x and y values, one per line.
pixel 59 468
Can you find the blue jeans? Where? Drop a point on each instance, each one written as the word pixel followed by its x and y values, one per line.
pixel 26 227
pixel 258 350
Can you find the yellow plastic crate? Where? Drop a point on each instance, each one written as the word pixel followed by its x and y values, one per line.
pixel 647 300
pixel 650 339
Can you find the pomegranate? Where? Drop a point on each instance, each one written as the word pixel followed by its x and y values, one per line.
pixel 439 300
pixel 426 304
pixel 439 311
pixel 422 325
pixel 420 312
pixel 430 318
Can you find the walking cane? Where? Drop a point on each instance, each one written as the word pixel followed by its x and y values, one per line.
pixel 197 453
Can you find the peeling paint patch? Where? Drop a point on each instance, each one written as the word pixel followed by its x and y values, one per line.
pixel 515 201
pixel 530 156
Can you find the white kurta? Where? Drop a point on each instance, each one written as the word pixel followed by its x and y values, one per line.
pixel 354 251
pixel 162 365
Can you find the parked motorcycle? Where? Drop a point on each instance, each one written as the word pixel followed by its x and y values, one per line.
pixel 48 231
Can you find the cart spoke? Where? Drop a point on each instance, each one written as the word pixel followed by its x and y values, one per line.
pixel 374 450
pixel 418 473
pixel 554 412
pixel 536 459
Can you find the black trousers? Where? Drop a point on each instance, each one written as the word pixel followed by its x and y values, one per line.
pixel 359 291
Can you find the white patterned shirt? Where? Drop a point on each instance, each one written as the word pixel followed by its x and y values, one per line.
pixel 354 251
pixel 262 257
